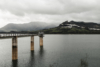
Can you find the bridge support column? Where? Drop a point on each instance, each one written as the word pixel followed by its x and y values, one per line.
pixel 32 43
pixel 41 41
pixel 14 48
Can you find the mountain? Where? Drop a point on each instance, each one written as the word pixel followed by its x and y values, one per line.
pixel 74 27
pixel 35 26
pixel 32 26
pixel 81 24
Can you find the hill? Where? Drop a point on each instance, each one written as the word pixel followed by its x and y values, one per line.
pixel 74 27
pixel 81 24
pixel 32 26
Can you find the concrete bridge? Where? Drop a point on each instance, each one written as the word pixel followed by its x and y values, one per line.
pixel 15 42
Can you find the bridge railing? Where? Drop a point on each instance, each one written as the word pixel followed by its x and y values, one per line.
pixel 15 34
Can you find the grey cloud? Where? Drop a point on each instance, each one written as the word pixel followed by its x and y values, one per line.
pixel 19 7
pixel 54 10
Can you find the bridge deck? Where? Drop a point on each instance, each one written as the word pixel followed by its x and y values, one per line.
pixel 4 36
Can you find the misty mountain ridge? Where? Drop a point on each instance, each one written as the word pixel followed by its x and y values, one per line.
pixel 35 26
pixel 32 26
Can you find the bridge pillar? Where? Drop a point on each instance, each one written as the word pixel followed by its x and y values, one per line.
pixel 14 48
pixel 32 43
pixel 41 41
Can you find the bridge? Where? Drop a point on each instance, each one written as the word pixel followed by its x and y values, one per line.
pixel 14 37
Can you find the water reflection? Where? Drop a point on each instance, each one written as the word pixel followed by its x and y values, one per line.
pixel 31 59
pixel 14 63
pixel 32 55
pixel 41 57
pixel 41 52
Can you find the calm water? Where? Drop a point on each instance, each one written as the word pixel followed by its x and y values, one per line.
pixel 58 51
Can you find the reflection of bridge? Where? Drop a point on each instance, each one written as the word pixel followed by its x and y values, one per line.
pixel 14 42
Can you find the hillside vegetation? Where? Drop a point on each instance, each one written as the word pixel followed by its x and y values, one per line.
pixel 73 27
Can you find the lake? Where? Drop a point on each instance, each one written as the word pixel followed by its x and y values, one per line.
pixel 58 51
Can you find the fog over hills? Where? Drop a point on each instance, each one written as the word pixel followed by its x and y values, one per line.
pixel 32 26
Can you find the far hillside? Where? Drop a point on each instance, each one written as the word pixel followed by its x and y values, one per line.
pixel 74 27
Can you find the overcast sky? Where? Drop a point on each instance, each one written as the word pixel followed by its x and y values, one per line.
pixel 24 11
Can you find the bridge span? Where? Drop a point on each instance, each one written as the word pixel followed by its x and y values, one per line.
pixel 15 41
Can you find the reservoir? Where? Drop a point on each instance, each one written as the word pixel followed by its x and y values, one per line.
pixel 58 51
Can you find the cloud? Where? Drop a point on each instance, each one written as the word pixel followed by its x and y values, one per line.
pixel 20 7
pixel 31 6
pixel 23 11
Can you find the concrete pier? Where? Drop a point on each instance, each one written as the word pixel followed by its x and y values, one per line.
pixel 32 43
pixel 41 41
pixel 14 37
pixel 14 48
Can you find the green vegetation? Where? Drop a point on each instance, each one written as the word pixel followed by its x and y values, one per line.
pixel 84 62
pixel 59 30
